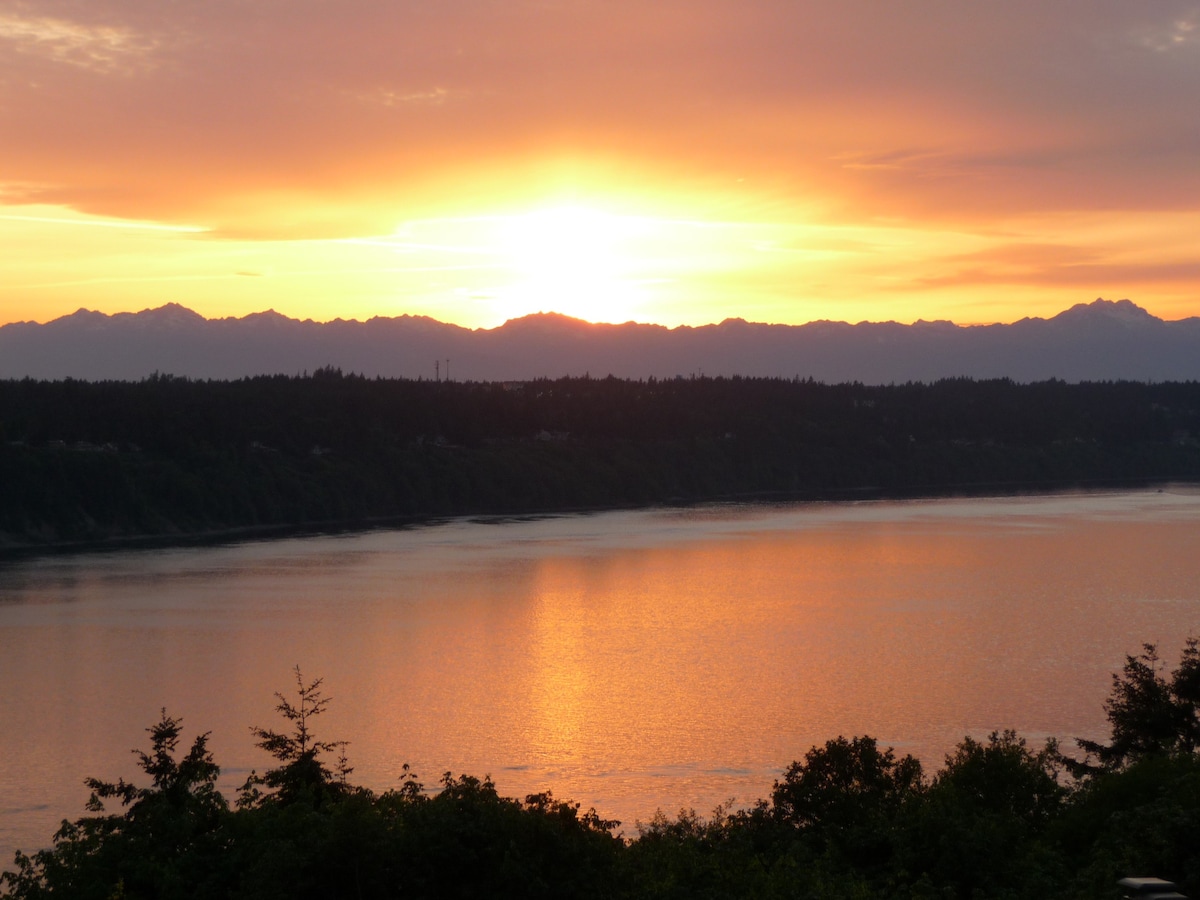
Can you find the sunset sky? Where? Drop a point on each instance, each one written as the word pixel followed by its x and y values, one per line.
pixel 667 161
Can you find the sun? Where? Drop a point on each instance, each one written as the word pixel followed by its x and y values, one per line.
pixel 575 260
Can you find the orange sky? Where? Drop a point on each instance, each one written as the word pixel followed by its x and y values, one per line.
pixel 674 162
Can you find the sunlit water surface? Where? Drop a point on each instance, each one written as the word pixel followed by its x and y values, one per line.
pixel 628 660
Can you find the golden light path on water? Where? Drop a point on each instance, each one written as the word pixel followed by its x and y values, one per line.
pixel 629 660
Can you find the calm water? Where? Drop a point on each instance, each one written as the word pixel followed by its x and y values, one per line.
pixel 629 660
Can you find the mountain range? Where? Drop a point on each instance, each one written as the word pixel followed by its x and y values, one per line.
pixel 1098 341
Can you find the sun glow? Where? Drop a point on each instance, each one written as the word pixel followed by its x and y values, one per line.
pixel 577 261
pixel 602 260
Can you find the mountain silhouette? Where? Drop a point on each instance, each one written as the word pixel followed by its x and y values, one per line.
pixel 1102 340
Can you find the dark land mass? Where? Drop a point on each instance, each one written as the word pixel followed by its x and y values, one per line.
pixel 1103 340
pixel 171 460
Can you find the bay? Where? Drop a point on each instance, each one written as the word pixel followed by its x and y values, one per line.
pixel 663 658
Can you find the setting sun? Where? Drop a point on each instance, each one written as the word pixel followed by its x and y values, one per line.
pixel 577 261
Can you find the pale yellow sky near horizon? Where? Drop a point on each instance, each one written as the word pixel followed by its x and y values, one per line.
pixel 677 163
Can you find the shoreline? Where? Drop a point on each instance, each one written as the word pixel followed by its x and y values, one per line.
pixel 13 551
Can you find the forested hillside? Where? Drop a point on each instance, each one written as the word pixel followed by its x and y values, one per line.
pixel 166 456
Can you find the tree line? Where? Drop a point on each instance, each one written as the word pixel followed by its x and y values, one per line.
pixel 850 819
pixel 85 461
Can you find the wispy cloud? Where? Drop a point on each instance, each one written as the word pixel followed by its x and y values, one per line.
pixel 1179 34
pixel 890 160
pixel 105 49
pixel 433 97
pixel 22 191
pixel 1082 276
pixel 102 223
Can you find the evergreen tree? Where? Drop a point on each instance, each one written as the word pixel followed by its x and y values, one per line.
pixel 301 774
pixel 1151 713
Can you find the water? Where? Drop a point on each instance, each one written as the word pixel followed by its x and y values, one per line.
pixel 628 660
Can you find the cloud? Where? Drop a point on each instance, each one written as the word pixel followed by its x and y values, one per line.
pixel 104 49
pixel 401 98
pixel 437 96
pixel 1054 264
pixel 20 192
pixel 1181 33
pixel 306 118
pixel 1111 276
pixel 926 160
